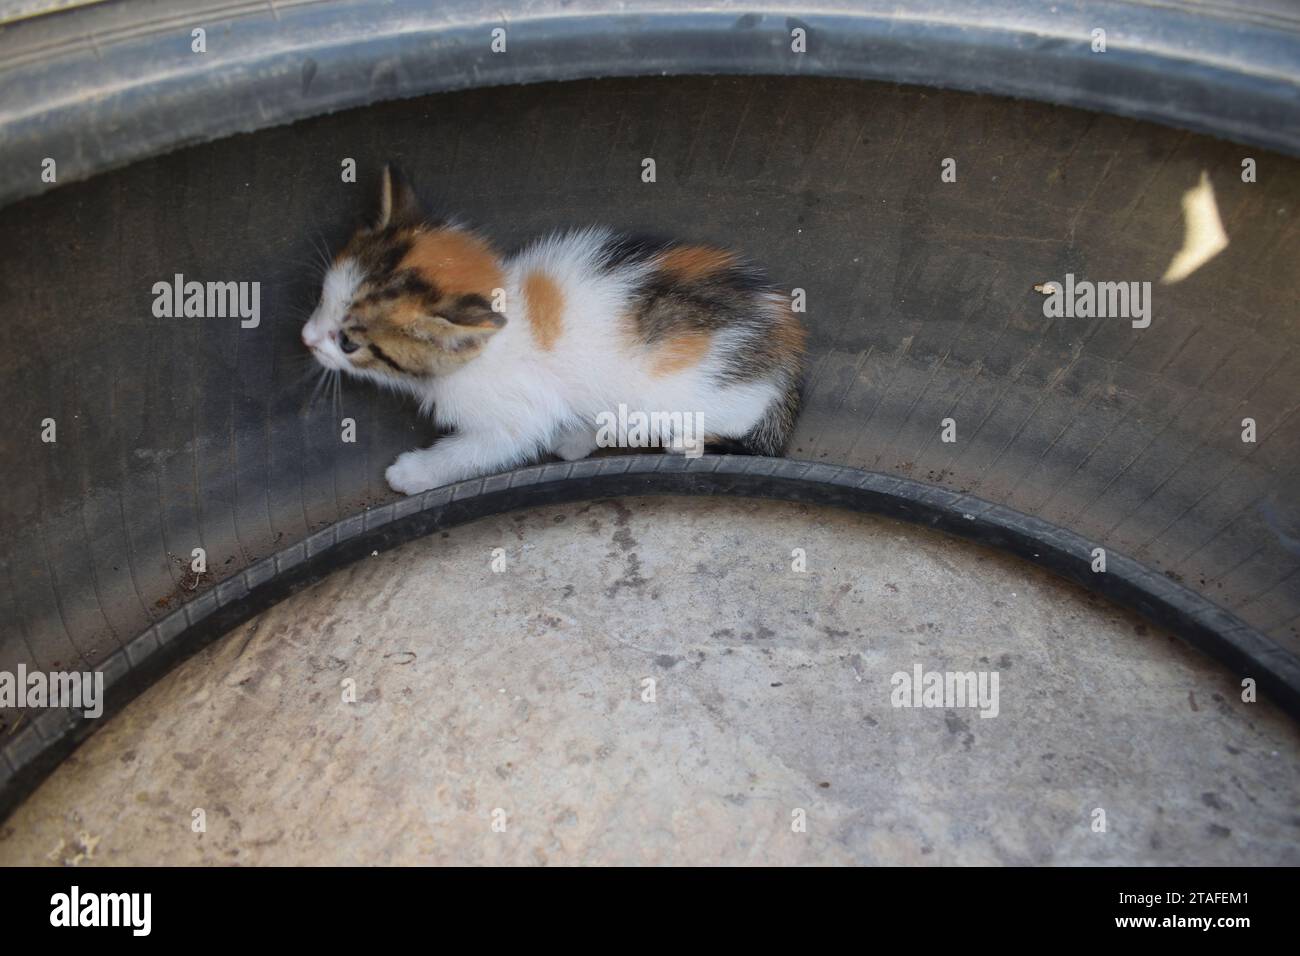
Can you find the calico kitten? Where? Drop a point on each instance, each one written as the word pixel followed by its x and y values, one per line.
pixel 584 322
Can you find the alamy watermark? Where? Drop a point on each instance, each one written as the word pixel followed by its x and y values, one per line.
pixel 1084 299
pixel 133 911
pixel 680 431
pixel 949 690
pixel 79 690
pixel 208 300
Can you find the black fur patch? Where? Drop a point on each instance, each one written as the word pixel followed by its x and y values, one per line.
pixel 411 282
pixel 631 250
pixel 408 283
pixel 382 251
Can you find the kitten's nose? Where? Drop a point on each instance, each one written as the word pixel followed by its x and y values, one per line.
pixel 310 339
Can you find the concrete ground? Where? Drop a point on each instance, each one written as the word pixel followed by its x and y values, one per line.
pixel 505 716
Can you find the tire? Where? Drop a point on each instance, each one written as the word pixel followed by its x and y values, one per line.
pixel 1071 434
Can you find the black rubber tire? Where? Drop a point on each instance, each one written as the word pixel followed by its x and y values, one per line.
pixel 114 82
pixel 174 434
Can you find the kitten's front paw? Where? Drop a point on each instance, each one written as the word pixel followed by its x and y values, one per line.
pixel 410 474
pixel 576 445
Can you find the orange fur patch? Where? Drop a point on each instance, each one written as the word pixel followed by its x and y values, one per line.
pixel 694 262
pixel 456 262
pixel 680 353
pixel 545 305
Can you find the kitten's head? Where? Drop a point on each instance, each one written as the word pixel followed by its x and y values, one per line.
pixel 407 299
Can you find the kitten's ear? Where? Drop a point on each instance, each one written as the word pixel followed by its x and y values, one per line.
pixel 472 312
pixel 467 323
pixel 398 204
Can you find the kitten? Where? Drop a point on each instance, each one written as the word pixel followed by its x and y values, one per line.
pixel 585 322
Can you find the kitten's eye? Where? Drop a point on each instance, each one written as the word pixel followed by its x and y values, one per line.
pixel 346 344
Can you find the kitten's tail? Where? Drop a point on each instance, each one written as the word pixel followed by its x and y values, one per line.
pixel 772 432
